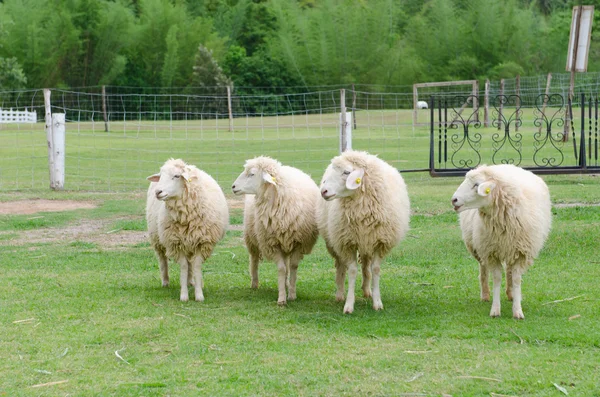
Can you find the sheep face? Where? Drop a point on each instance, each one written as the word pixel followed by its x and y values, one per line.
pixel 250 180
pixel 474 192
pixel 170 182
pixel 341 181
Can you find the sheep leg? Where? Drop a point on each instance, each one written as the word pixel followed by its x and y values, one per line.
pixel 340 279
pixel 517 271
pixel 509 282
pixel 294 261
pixel 352 272
pixel 254 270
pixel 376 268
pixel 191 281
pixel 198 279
pixel 497 282
pixel 281 278
pixel 183 277
pixel 484 283
pixel 366 264
pixel 163 264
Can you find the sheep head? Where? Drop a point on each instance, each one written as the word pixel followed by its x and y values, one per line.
pixel 476 191
pixel 172 179
pixel 257 172
pixel 342 178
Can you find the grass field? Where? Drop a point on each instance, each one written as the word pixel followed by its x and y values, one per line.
pixel 83 312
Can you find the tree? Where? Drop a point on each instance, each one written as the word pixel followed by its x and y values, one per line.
pixel 11 75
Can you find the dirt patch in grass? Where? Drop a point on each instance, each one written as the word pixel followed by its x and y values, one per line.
pixel 86 230
pixel 26 207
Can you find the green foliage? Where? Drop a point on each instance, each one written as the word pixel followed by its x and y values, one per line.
pixel 11 74
pixel 268 43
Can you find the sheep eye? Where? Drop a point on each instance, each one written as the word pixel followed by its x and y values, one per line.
pixel 475 186
pixel 346 173
pixel 250 175
pixel 176 176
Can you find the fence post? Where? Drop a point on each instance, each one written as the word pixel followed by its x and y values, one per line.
pixel 48 128
pixel 486 105
pixel 229 107
pixel 548 80
pixel 104 108
pixel 343 122
pixel 58 144
pixel 476 99
pixel 518 101
pixel 501 104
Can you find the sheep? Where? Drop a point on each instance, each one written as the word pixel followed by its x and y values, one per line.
pixel 422 105
pixel 187 216
pixel 279 220
pixel 505 218
pixel 366 209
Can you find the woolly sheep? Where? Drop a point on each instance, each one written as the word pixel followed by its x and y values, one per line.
pixel 187 215
pixel 505 218
pixel 279 221
pixel 422 105
pixel 366 210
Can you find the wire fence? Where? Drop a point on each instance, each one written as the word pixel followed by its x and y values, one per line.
pixel 115 140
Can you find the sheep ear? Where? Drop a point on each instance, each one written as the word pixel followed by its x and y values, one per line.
pixel 485 189
pixel 355 179
pixel 185 175
pixel 268 178
pixel 154 178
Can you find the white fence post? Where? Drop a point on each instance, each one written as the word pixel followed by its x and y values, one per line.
pixel 58 138
pixel 48 127
pixel 345 132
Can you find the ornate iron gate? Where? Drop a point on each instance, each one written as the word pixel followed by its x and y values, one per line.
pixel 524 132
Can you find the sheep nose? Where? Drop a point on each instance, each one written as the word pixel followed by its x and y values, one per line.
pixel 324 192
pixel 157 192
pixel 233 186
pixel 454 200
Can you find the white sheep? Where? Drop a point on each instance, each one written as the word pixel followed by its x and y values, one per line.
pixel 187 215
pixel 370 217
pixel 505 217
pixel 279 221
pixel 422 105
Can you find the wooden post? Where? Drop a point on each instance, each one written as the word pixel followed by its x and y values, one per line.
pixel 501 104
pixel 229 107
pixel 518 100
pixel 104 108
pixel 343 122
pixel 48 127
pixel 353 106
pixel 58 147
pixel 476 99
pixel 414 105
pixel 548 79
pixel 573 67
pixel 486 105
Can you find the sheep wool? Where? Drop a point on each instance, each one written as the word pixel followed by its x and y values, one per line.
pixel 505 218
pixel 187 216
pixel 279 218
pixel 366 211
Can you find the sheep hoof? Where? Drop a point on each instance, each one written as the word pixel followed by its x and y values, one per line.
pixel 348 309
pixel 518 315
pixel 254 285
pixel 485 298
pixel 495 312
pixel 165 284
pixel 282 302
pixel 200 299
pixel 378 305
pixel 291 296
pixel 184 298
pixel 367 293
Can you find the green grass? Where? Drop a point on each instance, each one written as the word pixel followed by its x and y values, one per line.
pixel 67 307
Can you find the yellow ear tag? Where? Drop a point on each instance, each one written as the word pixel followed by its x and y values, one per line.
pixel 357 180
pixel 487 190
